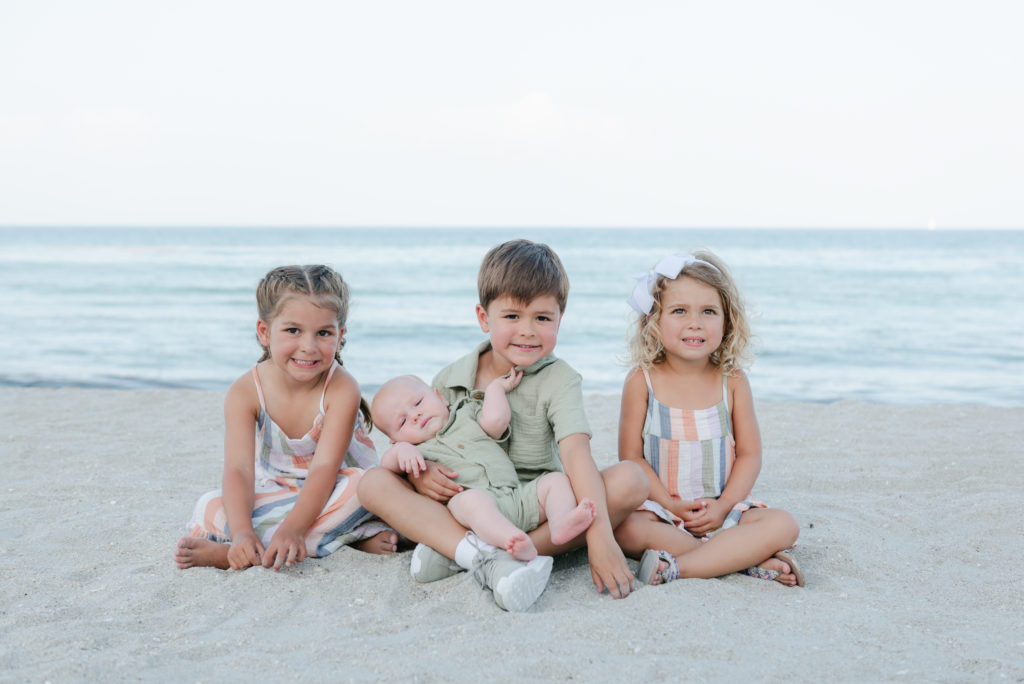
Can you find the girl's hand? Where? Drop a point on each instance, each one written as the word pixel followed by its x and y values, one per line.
pixel 409 458
pixel 436 482
pixel 687 510
pixel 509 381
pixel 245 551
pixel 286 548
pixel 709 520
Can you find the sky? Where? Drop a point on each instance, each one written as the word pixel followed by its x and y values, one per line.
pixel 528 114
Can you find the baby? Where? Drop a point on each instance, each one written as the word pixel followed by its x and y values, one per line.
pixel 466 438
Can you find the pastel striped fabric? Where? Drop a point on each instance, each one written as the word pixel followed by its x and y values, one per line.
pixel 692 451
pixel 281 466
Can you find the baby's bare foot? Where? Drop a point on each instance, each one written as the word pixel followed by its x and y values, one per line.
pixel 569 526
pixel 520 547
pixel 383 543
pixel 195 552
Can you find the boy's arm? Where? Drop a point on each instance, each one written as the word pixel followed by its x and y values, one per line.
pixel 496 413
pixel 608 566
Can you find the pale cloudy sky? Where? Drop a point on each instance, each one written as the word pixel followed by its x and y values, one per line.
pixel 417 113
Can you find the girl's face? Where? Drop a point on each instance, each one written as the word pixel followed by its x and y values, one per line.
pixel 692 320
pixel 302 338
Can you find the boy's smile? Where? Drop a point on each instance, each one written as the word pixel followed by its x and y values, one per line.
pixel 521 334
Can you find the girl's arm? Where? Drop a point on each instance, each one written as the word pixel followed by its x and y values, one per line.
pixel 496 413
pixel 241 407
pixel 632 415
pixel 288 545
pixel 748 456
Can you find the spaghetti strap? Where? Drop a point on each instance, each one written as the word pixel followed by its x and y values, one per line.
pixel 259 389
pixel 725 390
pixel 330 373
pixel 647 377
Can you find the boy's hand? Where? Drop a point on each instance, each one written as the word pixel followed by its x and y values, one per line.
pixel 436 482
pixel 245 551
pixel 509 381
pixel 286 548
pixel 609 570
pixel 409 458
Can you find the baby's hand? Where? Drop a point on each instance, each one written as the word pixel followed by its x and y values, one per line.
pixel 509 381
pixel 410 460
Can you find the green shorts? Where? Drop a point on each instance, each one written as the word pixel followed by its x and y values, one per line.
pixel 520 505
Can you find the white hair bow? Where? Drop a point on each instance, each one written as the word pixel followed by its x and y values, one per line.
pixel 642 297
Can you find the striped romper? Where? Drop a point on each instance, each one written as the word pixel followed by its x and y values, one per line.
pixel 281 466
pixel 692 451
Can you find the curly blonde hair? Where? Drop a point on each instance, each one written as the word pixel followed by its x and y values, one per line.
pixel 645 347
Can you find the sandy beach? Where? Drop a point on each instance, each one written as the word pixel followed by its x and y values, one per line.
pixel 910 543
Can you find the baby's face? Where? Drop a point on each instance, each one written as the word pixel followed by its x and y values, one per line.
pixel 408 411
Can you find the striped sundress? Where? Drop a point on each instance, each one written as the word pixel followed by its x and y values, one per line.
pixel 281 466
pixel 692 451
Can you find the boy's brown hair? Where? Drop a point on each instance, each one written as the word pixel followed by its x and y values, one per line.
pixel 522 270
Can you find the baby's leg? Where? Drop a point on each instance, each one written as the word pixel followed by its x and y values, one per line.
pixel 196 552
pixel 477 510
pixel 566 518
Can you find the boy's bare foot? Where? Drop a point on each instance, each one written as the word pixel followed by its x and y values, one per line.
pixel 384 543
pixel 570 526
pixel 520 547
pixel 196 552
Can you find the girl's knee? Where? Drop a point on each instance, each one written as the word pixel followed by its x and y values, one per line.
pixel 789 527
pixel 783 525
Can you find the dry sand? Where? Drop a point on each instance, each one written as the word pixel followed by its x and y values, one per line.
pixel 910 540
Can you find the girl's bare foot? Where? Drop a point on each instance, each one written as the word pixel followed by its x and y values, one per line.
pixel 569 526
pixel 520 547
pixel 196 552
pixel 383 543
pixel 786 575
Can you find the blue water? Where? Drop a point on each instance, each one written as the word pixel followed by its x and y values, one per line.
pixel 882 316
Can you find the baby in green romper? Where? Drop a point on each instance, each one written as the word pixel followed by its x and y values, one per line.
pixel 466 437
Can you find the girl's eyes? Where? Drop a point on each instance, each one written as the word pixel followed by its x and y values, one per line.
pixel 291 331
pixel 418 402
pixel 326 333
pixel 708 312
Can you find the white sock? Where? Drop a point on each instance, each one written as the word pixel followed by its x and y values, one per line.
pixel 466 551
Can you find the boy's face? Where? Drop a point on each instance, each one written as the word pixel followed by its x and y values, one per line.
pixel 410 412
pixel 521 334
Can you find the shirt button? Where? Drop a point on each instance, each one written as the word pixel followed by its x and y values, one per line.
pixel 461 447
pixel 478 394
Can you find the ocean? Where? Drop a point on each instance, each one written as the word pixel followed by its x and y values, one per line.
pixel 884 316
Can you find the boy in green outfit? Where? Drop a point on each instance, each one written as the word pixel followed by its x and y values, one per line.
pixel 523 290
